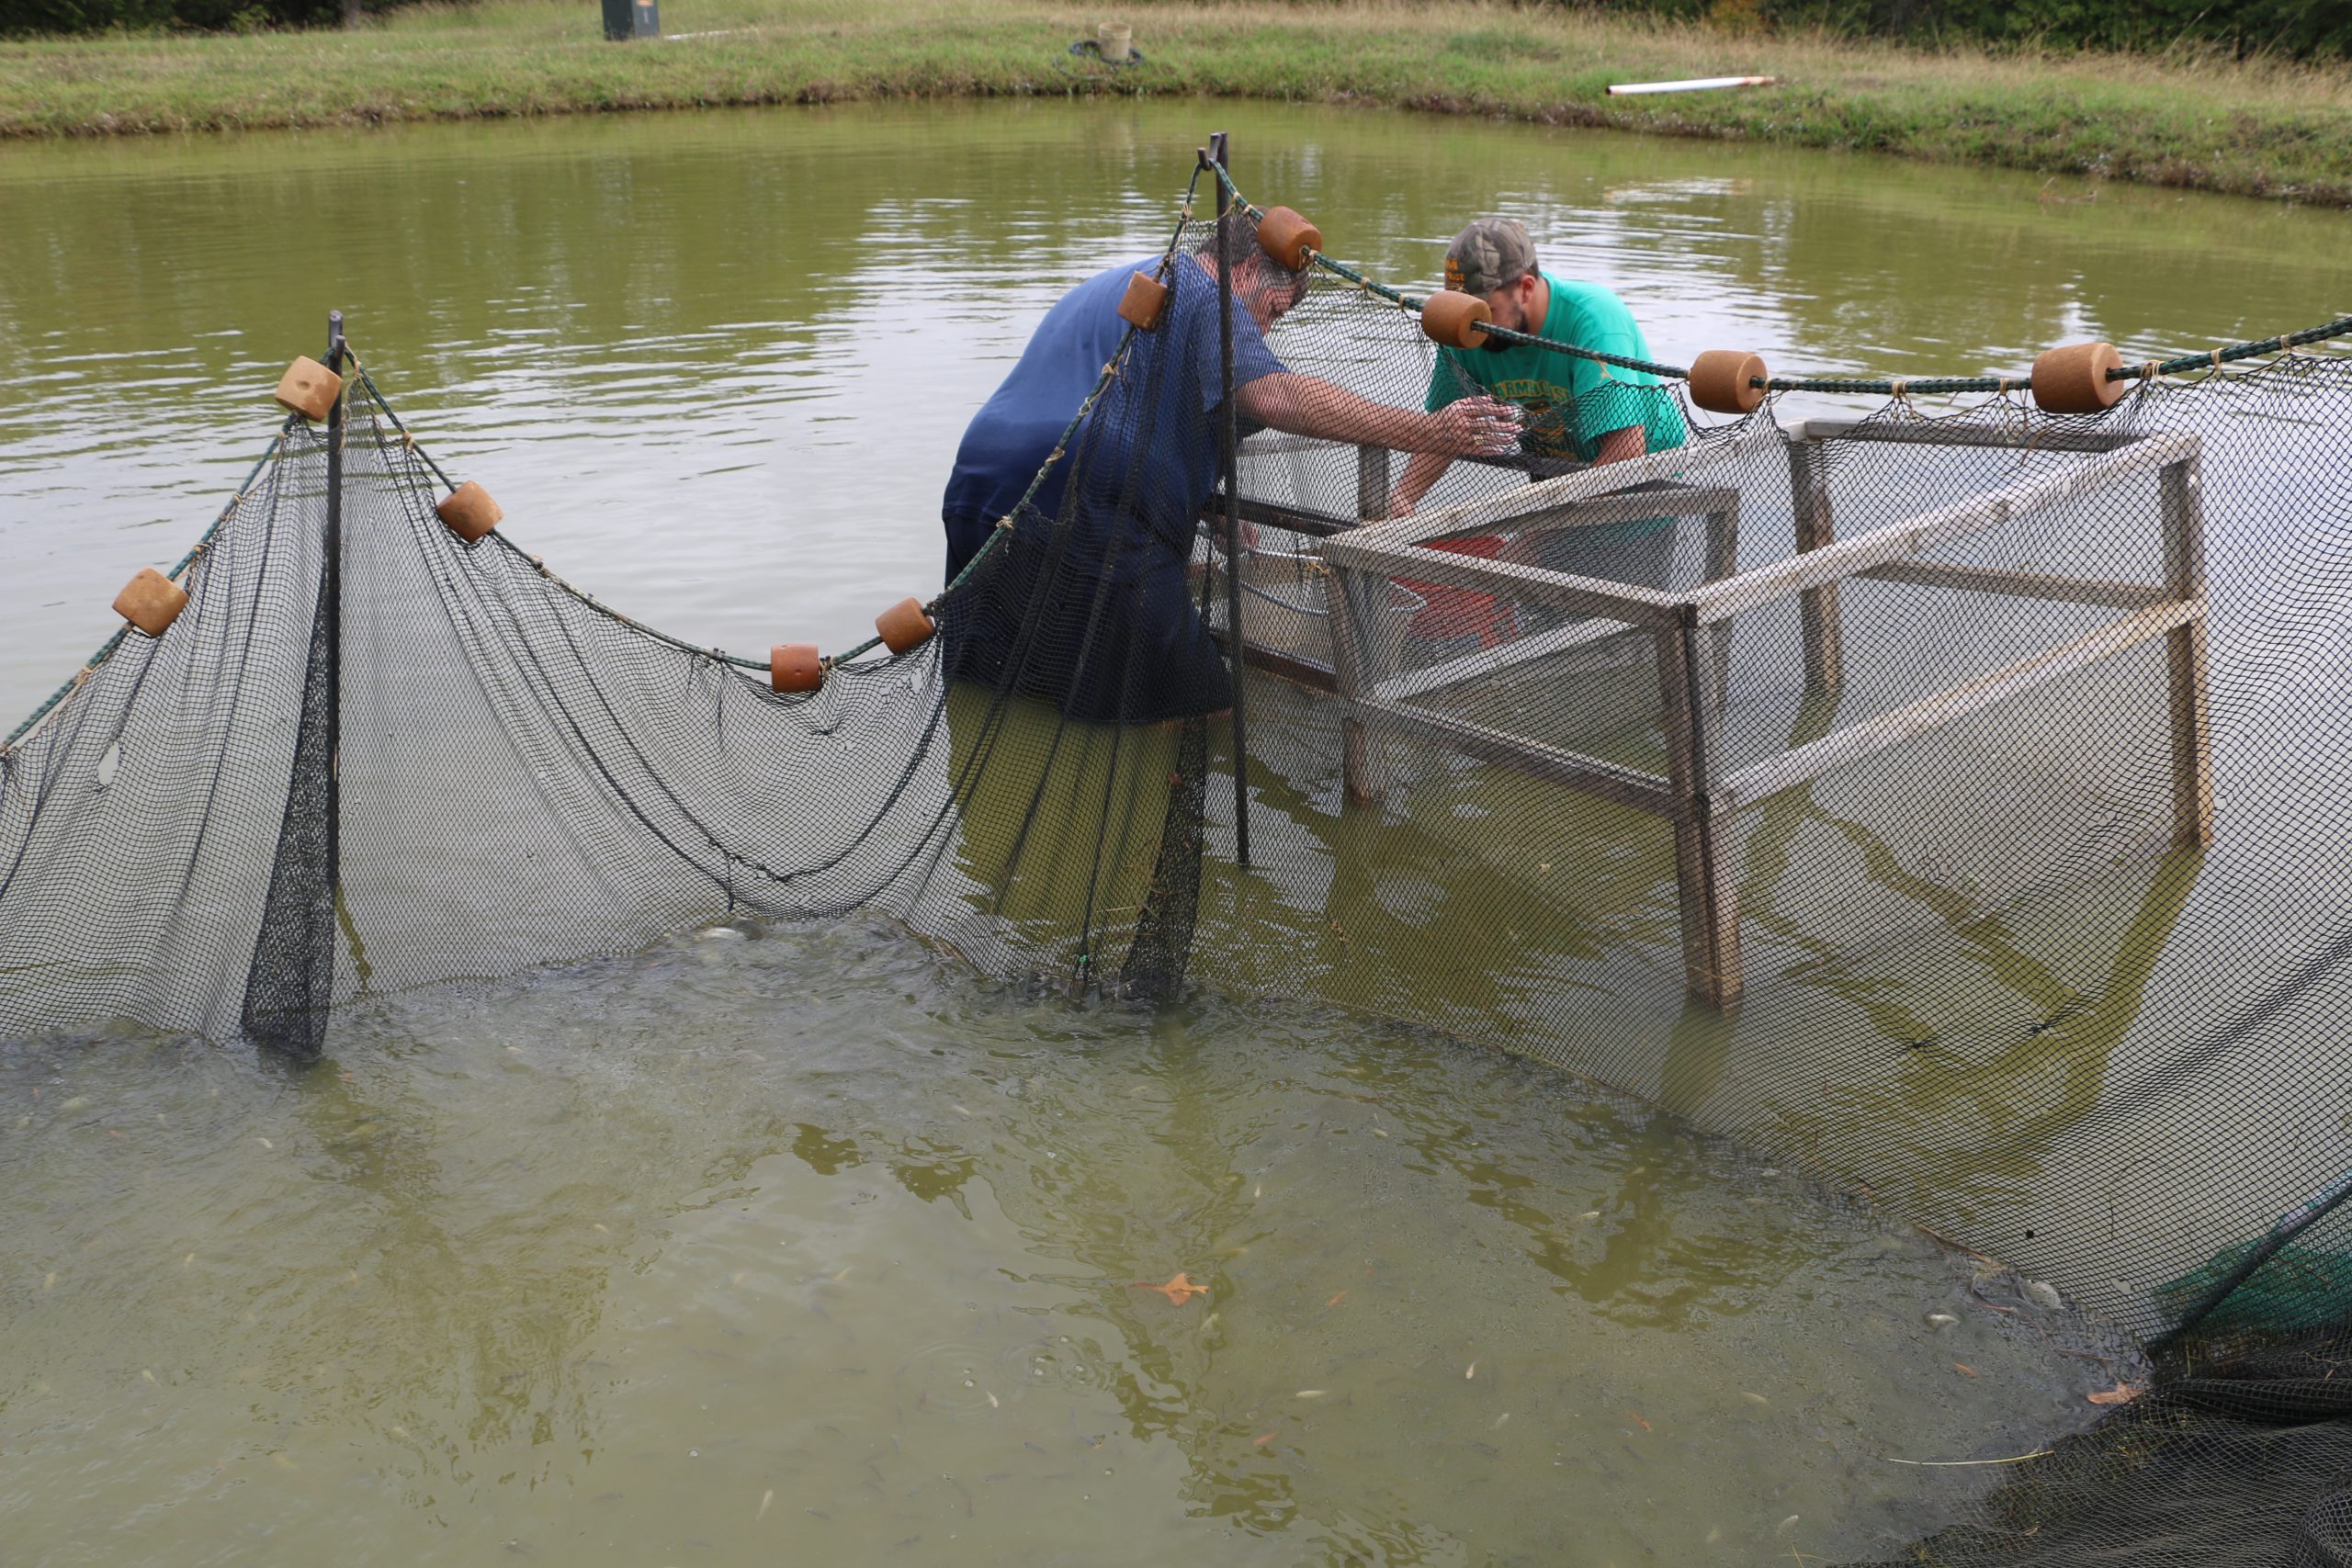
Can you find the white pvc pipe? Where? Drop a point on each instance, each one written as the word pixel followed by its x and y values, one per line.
pixel 1696 84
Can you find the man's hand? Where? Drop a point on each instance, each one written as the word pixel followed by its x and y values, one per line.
pixel 1307 405
pixel 1473 427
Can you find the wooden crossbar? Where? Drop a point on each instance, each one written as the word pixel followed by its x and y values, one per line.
pixel 1610 781
pixel 1493 661
pixel 1805 763
pixel 1901 541
pixel 2022 584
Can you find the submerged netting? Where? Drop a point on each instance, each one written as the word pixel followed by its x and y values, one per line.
pixel 1948 802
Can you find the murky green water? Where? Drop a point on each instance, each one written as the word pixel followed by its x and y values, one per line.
pixel 810 1245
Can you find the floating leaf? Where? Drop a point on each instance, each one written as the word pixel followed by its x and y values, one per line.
pixel 1179 1289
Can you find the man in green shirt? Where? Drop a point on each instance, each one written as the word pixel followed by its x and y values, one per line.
pixel 1575 407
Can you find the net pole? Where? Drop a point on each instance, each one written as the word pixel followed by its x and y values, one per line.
pixel 1229 463
pixel 332 592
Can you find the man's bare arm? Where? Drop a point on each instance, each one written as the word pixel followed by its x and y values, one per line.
pixel 1618 446
pixel 1425 469
pixel 1308 405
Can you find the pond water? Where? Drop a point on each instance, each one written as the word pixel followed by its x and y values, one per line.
pixel 631 1263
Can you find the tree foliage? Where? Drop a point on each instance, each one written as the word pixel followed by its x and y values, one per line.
pixel 21 16
pixel 2301 28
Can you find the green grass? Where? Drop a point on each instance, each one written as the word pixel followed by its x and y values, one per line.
pixel 2259 128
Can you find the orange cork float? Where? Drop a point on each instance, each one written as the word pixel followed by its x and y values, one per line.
pixel 469 512
pixel 794 667
pixel 1287 237
pixel 308 388
pixel 1723 380
pixel 2074 379
pixel 151 602
pixel 1451 319
pixel 904 625
pixel 1142 303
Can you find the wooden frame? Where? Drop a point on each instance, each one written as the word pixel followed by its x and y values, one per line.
pixel 1691 630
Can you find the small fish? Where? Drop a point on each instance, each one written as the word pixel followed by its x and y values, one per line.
pixel 1642 1424
pixel 1335 1300
pixel 1259 1442
pixel 1788 1524
pixel 265 1143
pixel 992 1404
pixel 145 1374
pixel 1963 1366
pixel 1754 1398
pixel 1470 1371
pixel 1310 1393
pixel 1500 1419
pixel 765 1498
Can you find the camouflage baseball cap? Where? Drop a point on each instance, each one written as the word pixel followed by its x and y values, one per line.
pixel 1488 254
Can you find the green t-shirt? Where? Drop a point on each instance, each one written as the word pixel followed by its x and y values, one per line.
pixel 1571 403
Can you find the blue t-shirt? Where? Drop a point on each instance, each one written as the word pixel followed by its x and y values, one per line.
pixel 1159 412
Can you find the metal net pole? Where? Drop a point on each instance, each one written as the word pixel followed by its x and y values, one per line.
pixel 1228 462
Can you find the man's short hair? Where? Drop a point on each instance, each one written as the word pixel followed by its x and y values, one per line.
pixel 1491 254
pixel 1290 286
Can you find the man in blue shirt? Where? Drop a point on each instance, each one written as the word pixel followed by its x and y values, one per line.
pixel 1086 604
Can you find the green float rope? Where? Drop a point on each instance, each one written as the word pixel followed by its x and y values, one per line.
pixel 2213 359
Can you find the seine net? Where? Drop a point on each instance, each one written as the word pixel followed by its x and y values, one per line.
pixel 1949 804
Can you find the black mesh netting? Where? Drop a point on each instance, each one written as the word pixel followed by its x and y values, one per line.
pixel 1951 805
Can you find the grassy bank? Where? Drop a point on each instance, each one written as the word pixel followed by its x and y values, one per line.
pixel 2254 129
